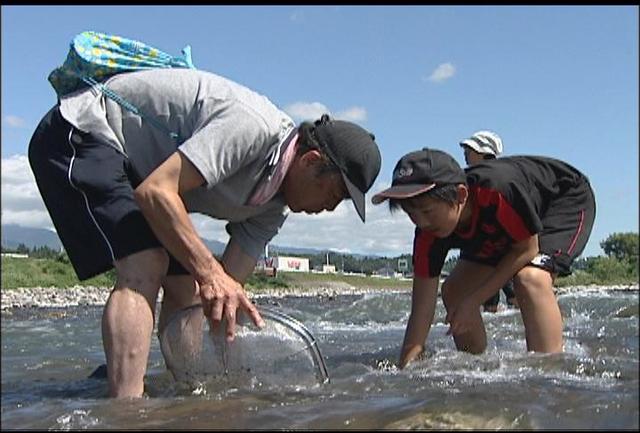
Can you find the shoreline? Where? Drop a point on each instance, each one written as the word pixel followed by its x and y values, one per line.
pixel 54 297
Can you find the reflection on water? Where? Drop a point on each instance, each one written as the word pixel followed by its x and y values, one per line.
pixel 47 355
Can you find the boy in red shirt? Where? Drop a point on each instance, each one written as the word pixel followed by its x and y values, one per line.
pixel 523 216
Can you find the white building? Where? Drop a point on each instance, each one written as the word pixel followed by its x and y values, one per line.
pixel 16 255
pixel 290 264
pixel 328 269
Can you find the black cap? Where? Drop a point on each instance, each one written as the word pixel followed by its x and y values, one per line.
pixel 419 172
pixel 354 150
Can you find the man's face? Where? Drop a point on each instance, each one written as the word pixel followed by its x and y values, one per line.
pixel 433 215
pixel 306 191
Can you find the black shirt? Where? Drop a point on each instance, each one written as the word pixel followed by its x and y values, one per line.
pixel 510 196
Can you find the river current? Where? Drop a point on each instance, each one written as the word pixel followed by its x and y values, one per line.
pixel 48 354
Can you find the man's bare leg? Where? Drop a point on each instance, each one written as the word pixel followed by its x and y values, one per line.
pixel 128 319
pixel 179 291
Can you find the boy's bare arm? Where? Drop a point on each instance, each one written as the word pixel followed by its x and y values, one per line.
pixel 423 306
pixel 518 256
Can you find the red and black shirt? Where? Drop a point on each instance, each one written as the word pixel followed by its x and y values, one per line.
pixel 510 196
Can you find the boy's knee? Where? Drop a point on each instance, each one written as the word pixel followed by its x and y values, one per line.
pixel 531 280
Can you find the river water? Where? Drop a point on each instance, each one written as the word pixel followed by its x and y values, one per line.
pixel 48 353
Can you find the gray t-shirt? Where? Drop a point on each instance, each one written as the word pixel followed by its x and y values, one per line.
pixel 230 133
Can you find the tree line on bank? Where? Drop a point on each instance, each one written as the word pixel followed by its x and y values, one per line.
pixel 620 263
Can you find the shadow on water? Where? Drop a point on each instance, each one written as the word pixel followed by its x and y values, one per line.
pixel 47 356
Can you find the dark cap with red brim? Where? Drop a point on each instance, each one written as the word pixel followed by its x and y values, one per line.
pixel 420 171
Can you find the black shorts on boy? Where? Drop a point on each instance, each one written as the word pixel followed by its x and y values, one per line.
pixel 87 187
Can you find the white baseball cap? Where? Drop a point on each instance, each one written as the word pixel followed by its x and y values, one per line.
pixel 485 142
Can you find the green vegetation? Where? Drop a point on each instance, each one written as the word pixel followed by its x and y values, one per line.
pixel 40 272
pixel 356 264
pixel 36 272
pixel 307 280
pixel 46 267
pixel 619 266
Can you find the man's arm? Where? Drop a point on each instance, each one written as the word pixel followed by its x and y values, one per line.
pixel 423 306
pixel 159 198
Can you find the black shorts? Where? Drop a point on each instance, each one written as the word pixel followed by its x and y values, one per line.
pixel 86 187
pixel 567 225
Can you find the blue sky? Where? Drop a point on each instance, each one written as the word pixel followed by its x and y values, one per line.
pixel 550 80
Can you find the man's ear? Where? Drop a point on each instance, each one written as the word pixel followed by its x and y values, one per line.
pixel 311 157
pixel 462 194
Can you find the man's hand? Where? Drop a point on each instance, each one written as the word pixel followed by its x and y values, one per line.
pixel 222 298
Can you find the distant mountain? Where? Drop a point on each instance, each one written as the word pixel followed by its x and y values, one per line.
pixel 273 249
pixel 292 250
pixel 13 235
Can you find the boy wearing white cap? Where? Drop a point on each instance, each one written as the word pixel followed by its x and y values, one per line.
pixel 481 146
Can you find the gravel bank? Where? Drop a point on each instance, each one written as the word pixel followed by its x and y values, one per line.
pixel 88 295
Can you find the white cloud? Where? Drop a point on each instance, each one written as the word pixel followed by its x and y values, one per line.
pixel 341 230
pixel 442 73
pixel 210 228
pixel 15 121
pixel 353 114
pixel 310 111
pixel 21 200
pixel 296 15
pixel 301 111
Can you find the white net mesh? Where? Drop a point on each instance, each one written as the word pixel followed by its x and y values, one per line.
pixel 284 351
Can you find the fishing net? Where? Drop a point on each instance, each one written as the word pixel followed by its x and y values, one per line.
pixel 284 351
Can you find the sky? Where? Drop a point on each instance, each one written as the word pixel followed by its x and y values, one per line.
pixel 559 81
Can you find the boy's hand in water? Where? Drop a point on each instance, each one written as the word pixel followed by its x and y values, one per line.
pixel 460 318
pixel 409 354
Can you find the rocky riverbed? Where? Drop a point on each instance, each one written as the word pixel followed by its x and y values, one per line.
pixel 89 295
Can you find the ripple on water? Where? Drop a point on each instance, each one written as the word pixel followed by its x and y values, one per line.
pixel 76 420
pixel 453 421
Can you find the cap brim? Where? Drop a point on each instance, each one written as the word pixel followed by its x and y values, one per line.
pixel 356 195
pixel 471 144
pixel 401 191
